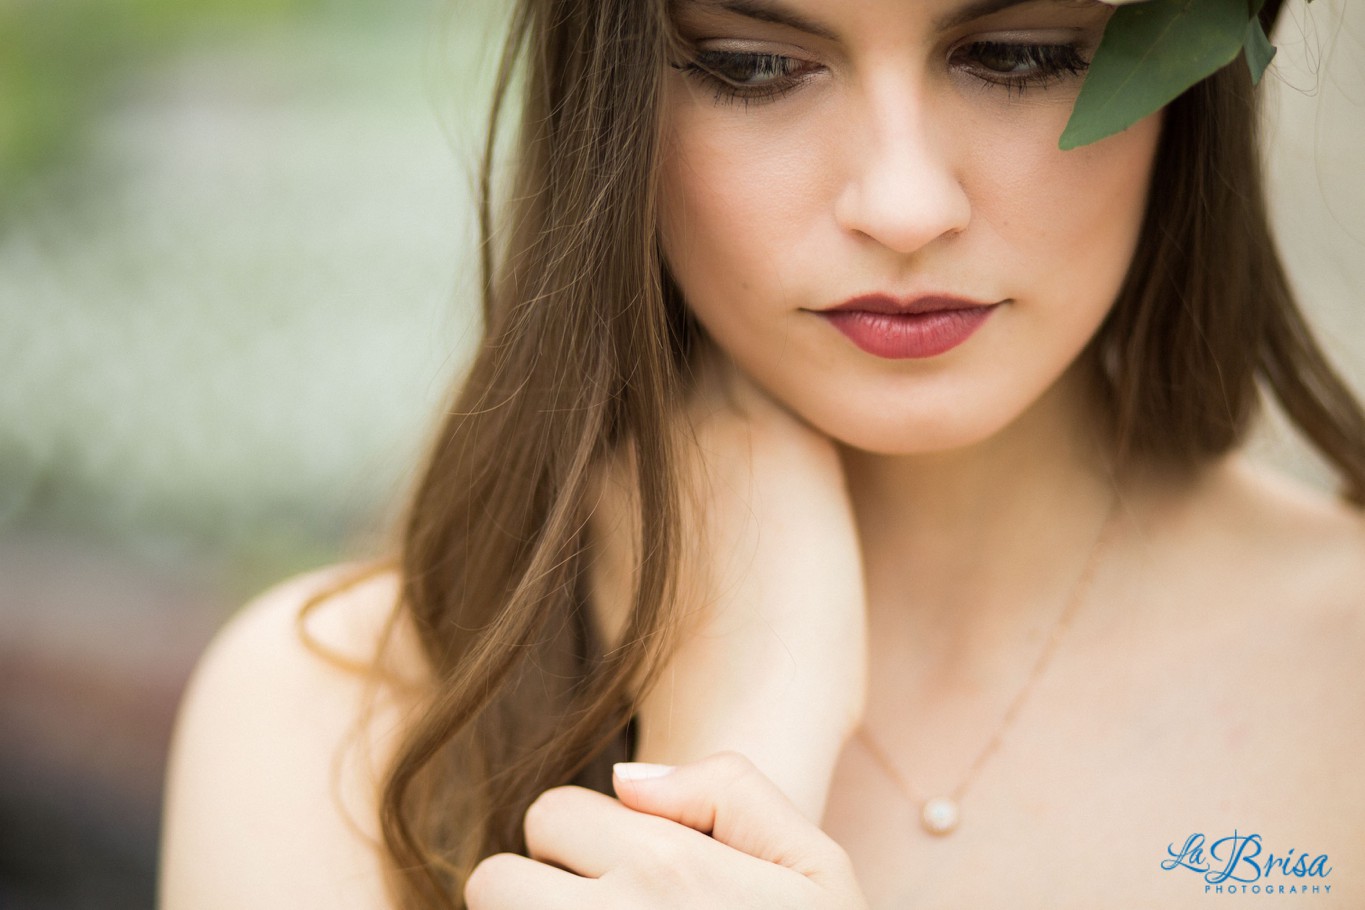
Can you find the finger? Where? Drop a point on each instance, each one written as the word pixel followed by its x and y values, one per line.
pixel 726 796
pixel 506 881
pixel 589 833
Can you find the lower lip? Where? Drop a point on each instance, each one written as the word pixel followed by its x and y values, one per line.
pixel 902 336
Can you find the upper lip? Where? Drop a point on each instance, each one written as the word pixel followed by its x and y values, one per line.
pixel 928 303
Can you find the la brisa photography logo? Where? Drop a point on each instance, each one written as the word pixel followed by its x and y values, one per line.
pixel 1241 864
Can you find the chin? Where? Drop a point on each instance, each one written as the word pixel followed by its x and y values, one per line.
pixel 907 433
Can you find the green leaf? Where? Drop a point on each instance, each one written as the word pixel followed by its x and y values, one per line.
pixel 1259 50
pixel 1151 52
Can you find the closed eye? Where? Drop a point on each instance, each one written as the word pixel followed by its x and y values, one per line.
pixel 736 76
pixel 1019 66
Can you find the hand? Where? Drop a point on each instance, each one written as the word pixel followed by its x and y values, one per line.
pixel 651 850
pixel 774 661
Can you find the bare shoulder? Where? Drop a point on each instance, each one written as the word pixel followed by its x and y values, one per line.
pixel 1293 559
pixel 1314 536
pixel 279 748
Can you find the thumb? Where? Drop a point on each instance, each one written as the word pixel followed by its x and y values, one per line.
pixel 727 797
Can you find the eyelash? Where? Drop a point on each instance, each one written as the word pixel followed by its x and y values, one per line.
pixel 1044 63
pixel 707 68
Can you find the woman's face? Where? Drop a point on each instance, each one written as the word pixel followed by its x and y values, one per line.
pixel 906 149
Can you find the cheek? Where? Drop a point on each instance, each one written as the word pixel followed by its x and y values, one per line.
pixel 1072 219
pixel 731 200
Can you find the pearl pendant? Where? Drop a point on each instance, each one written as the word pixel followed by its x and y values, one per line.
pixel 939 815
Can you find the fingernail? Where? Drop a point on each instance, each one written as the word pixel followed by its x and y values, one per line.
pixel 640 770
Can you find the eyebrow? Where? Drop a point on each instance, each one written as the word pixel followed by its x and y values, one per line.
pixel 769 11
pixel 774 12
pixel 982 8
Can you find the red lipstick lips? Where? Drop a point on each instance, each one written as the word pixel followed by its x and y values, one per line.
pixel 901 328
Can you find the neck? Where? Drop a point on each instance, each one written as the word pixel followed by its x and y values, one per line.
pixel 971 551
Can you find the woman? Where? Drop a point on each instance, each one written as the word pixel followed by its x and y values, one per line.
pixel 839 441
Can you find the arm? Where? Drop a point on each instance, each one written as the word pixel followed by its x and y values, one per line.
pixel 260 812
pixel 774 667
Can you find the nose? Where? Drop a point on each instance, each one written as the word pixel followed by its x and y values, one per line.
pixel 902 189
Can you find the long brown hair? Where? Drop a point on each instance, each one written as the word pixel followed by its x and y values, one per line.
pixel 586 345
pixel 1207 314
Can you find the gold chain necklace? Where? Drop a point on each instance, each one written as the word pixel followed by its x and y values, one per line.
pixel 940 814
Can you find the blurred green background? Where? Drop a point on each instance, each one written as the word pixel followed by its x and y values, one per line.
pixel 232 258
pixel 234 288
pixel 235 283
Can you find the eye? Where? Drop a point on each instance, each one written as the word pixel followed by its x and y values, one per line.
pixel 745 76
pixel 1019 66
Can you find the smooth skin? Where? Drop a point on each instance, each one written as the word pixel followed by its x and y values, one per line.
pixel 714 833
pixel 772 587
pixel 1209 683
